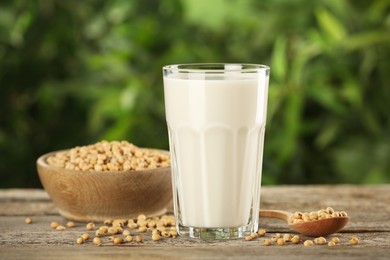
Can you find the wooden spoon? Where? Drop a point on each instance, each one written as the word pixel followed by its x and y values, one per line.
pixel 322 227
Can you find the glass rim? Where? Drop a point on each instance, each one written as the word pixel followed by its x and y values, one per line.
pixel 216 67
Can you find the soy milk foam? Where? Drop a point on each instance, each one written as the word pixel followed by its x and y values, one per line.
pixel 216 130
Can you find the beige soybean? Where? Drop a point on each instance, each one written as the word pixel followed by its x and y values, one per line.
pixel 354 240
pixel 173 233
pixel 60 228
pixel 99 233
pixel 329 210
pixel 141 223
pixel 161 228
pixel 113 230
pixel 118 222
pixel 70 224
pixel 85 236
pixel 298 214
pixel 104 229
pixel 280 241
pixel 305 217
pixel 275 238
pixel 313 215
pixel 119 229
pixel 165 234
pixel 343 214
pixel 132 225
pixel 151 224
pixel 335 240
pixel 28 220
pixel 118 240
pixel 287 237
pixel 97 241
pixel 80 241
pixel 320 240
pixel 54 225
pixel 138 239
pixel 90 226
pixel 248 238
pixel 297 221
pixel 141 217
pixel 142 229
pixel 267 242
pixel 262 232
pixel 108 222
pixel 296 239
pixel 156 237
pixel 308 243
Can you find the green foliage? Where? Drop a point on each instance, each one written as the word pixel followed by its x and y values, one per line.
pixel 75 72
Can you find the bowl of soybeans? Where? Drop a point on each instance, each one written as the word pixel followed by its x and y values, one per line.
pixel 107 180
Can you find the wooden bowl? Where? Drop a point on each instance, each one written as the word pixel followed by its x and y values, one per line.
pixel 96 196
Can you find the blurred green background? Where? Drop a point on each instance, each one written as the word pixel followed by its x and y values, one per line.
pixel 76 72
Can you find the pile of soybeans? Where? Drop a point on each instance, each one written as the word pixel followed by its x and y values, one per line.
pixel 109 156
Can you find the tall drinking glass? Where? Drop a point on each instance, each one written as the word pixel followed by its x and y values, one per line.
pixel 216 115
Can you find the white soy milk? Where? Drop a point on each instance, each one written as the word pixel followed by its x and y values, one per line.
pixel 216 130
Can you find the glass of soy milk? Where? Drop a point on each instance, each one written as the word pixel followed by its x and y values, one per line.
pixel 216 116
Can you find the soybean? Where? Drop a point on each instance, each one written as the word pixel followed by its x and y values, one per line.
pixel 296 239
pixel 70 224
pixel 308 243
pixel 126 232
pixel 54 225
pixel 248 238
pixel 60 228
pixel 97 241
pixel 320 240
pixel 354 240
pixel 267 242
pixel 90 226
pixel 85 236
pixel 155 237
pixel 138 239
pixel 262 232
pixel 280 242
pixel 129 238
pixel 335 240
pixel 118 240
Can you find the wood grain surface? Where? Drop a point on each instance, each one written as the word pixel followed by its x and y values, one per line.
pixel 367 206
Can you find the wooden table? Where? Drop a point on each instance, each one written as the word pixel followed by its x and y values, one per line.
pixel 368 207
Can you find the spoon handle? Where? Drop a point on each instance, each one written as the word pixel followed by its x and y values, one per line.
pixel 279 214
